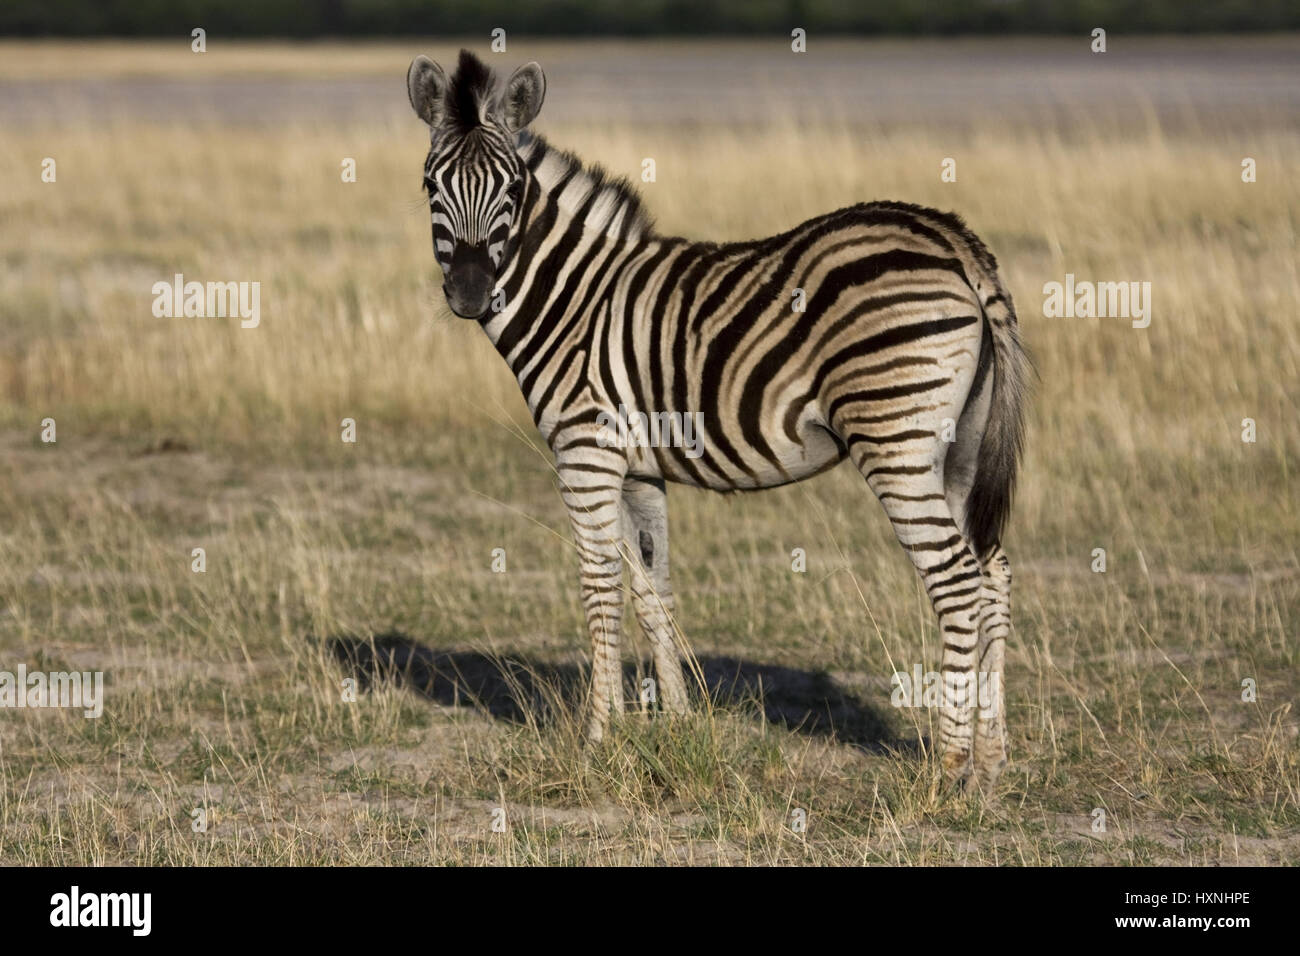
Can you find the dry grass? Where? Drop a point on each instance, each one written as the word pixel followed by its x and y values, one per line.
pixel 223 688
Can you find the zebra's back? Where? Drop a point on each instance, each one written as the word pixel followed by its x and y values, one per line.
pixel 866 318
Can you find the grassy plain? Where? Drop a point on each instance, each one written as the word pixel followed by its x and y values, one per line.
pixel 373 560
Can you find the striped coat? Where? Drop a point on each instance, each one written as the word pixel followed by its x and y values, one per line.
pixel 880 333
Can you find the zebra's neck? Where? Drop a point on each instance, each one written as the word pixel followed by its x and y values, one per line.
pixel 606 204
pixel 574 214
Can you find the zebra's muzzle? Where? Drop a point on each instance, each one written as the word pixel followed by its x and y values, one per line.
pixel 469 280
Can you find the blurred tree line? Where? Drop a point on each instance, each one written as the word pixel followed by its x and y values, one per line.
pixel 319 18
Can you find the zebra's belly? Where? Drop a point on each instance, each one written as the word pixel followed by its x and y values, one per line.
pixel 812 451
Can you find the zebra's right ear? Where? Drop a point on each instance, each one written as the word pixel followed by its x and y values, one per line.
pixel 426 84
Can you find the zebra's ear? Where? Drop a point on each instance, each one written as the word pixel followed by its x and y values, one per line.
pixel 523 97
pixel 426 84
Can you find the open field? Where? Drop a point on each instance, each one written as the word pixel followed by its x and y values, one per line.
pixel 373 560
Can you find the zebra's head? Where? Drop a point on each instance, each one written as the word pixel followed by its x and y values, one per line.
pixel 474 177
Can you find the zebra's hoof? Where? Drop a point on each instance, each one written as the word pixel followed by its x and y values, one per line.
pixel 987 775
pixel 957 767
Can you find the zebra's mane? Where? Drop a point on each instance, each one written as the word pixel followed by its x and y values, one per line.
pixel 468 93
pixel 616 208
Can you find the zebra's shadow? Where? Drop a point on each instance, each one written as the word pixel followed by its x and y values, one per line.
pixel 513 687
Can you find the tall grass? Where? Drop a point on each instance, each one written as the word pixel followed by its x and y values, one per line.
pixel 224 687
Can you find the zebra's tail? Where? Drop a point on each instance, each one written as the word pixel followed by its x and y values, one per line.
pixel 989 503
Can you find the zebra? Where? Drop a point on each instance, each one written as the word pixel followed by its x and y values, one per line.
pixel 880 333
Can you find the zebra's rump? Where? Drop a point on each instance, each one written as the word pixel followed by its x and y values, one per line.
pixel 856 327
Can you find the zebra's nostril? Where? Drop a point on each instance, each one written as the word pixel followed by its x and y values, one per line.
pixel 469 278
pixel 468 291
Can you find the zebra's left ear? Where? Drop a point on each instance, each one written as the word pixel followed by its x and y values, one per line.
pixel 523 97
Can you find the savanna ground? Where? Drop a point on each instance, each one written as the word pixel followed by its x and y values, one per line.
pixel 373 560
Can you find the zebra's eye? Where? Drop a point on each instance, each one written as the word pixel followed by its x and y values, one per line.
pixel 515 190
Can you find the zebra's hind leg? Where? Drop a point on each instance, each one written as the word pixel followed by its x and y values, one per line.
pixel 960 471
pixel 645 537
pixel 995 629
pixel 906 475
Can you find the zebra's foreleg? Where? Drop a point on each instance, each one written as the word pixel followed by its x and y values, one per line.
pixel 645 535
pixel 591 484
